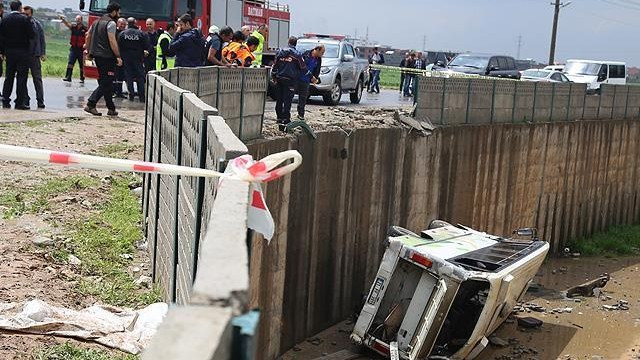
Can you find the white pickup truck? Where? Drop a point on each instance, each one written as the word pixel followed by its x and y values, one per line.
pixel 342 70
pixel 440 294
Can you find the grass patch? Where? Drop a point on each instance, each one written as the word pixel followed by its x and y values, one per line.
pixel 67 351
pixel 57 57
pixel 390 79
pixel 118 149
pixel 99 242
pixel 36 200
pixel 618 240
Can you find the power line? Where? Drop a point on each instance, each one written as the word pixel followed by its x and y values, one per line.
pixel 625 6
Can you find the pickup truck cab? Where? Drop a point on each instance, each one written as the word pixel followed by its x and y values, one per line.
pixel 342 70
pixel 442 293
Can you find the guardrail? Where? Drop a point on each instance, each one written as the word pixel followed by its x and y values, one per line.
pixel 450 101
pixel 196 230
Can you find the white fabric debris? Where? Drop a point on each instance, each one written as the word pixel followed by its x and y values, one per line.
pixel 124 329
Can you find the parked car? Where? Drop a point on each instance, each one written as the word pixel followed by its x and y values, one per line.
pixel 483 64
pixel 343 71
pixel 541 75
pixel 442 293
pixel 595 73
pixel 558 67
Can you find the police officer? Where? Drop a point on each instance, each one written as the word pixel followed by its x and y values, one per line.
pixel 164 58
pixel 102 45
pixel 134 45
pixel 78 34
pixel 287 69
pixel 121 25
pixel 16 33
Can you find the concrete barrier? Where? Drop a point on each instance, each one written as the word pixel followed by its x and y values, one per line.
pixel 568 179
pixel 488 100
pixel 577 102
pixel 456 95
pixel 503 101
pixel 192 222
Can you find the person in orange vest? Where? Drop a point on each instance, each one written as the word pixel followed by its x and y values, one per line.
pixel 244 55
pixel 229 51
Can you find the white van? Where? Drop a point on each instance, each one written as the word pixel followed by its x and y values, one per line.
pixel 442 293
pixel 594 73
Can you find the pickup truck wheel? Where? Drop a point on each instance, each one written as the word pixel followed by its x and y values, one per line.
pixel 356 96
pixel 333 98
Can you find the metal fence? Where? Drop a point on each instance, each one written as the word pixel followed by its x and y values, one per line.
pixel 239 94
pixel 192 223
pixel 450 101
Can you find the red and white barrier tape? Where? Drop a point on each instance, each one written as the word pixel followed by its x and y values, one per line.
pixel 243 168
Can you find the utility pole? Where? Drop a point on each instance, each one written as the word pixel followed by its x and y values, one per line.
pixel 519 46
pixel 424 42
pixel 554 32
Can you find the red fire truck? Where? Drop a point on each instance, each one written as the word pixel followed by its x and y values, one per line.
pixel 234 13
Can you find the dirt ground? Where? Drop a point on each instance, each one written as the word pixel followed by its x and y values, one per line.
pixel 587 332
pixel 337 118
pixel 29 271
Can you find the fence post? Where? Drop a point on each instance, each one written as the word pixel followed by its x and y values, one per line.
pixel 242 71
pixel 200 194
pixel 416 90
pixel 466 117
pixel 218 88
pixel 535 98
pixel 584 103
pixel 444 94
pixel 553 100
pixel 264 104
pixel 176 194
pixel 599 103
pixel 569 101
pixel 493 101
pixel 156 216
pixel 613 105
pixel 148 139
pixel 626 103
pixel 513 110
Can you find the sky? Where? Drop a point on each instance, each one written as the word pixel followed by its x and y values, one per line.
pixel 593 29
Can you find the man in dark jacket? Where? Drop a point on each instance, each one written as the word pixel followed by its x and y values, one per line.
pixel 134 45
pixel 403 64
pixel 102 44
pixel 188 44
pixel 16 33
pixel 152 37
pixel 1 59
pixel 215 43
pixel 287 70
pixel 76 52
pixel 409 76
pixel 37 52
pixel 376 58
pixel 313 60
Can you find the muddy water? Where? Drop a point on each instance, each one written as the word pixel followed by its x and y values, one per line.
pixel 588 332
